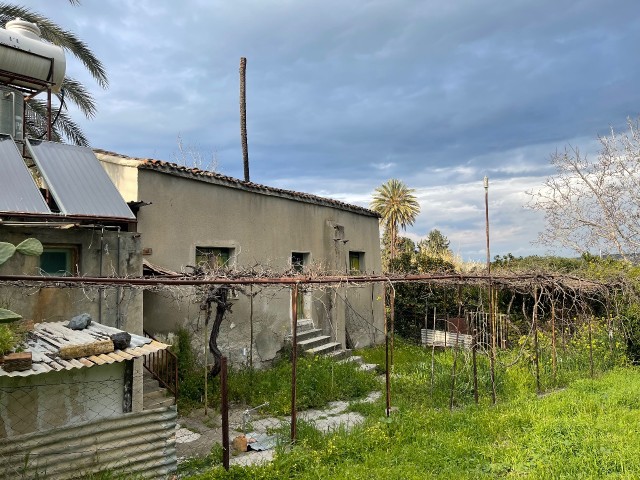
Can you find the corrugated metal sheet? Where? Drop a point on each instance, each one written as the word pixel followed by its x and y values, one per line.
pixel 440 338
pixel 77 181
pixel 136 444
pixel 46 339
pixel 18 191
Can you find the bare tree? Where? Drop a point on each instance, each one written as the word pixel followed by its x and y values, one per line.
pixel 594 204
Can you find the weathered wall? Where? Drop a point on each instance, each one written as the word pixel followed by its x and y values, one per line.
pixel 100 253
pixel 264 230
pixel 56 399
pixel 134 445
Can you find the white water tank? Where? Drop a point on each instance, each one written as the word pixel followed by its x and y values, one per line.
pixel 23 52
pixel 11 112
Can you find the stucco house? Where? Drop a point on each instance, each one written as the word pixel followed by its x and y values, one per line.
pixel 196 217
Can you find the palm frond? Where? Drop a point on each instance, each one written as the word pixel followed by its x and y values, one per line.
pixel 76 93
pixel 64 127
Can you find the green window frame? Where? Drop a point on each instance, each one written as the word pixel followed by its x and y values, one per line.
pixel 213 257
pixel 59 260
pixel 356 263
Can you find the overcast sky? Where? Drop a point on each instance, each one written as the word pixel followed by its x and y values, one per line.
pixel 342 96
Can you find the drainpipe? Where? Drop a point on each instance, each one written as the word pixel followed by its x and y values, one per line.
pixel 100 274
pixel 119 289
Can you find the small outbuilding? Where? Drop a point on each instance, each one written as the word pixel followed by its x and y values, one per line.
pixel 76 397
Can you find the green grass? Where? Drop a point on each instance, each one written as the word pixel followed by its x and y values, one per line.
pixel 589 430
pixel 319 381
pixel 580 428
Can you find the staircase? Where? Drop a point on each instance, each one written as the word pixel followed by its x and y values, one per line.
pixel 312 340
pixel 153 395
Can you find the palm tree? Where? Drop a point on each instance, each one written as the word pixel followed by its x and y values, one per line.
pixel 397 205
pixel 72 90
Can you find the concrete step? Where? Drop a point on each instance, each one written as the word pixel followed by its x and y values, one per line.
pixel 340 355
pixel 150 384
pixel 314 342
pixel 314 332
pixel 353 359
pixel 324 349
pixel 368 367
pixel 305 324
pixel 357 359
pixel 160 393
pixel 153 394
pixel 157 403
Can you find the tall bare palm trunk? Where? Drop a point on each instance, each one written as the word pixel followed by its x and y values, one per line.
pixel 243 118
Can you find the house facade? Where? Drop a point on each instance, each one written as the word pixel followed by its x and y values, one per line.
pixel 71 398
pixel 71 249
pixel 195 217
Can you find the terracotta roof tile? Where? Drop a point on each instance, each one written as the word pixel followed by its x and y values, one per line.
pixel 217 178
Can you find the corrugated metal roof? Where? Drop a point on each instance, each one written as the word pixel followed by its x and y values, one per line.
pixel 46 339
pixel 18 191
pixel 77 181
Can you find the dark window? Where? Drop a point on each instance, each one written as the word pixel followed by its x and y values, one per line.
pixel 213 257
pixel 298 261
pixel 58 260
pixel 356 262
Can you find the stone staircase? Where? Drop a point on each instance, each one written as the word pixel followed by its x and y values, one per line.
pixel 153 395
pixel 312 340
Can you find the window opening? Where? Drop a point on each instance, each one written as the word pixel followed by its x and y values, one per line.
pixel 213 257
pixel 58 260
pixel 356 263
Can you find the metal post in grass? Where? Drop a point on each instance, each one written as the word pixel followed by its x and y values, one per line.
pixel 590 346
pixel 492 355
pixel 453 370
pixel 224 408
pixel 474 348
pixel 553 339
pixel 294 358
pixel 392 307
pixel 206 369
pixel 386 354
pixel 536 347
pixel 433 355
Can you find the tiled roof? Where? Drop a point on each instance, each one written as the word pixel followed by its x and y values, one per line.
pixel 213 177
pixel 45 340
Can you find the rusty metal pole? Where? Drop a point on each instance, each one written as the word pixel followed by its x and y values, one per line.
pixel 392 307
pixel 206 372
pixel 474 349
pixel 224 411
pixel 294 358
pixel 492 356
pixel 387 378
pixel 536 345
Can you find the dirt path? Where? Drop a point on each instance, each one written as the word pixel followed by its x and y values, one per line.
pixel 197 433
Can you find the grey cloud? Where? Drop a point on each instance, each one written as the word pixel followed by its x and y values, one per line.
pixel 343 95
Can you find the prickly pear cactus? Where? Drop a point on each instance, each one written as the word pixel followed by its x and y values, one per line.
pixel 7 316
pixel 6 251
pixel 30 246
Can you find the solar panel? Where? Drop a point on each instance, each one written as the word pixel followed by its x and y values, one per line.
pixel 18 191
pixel 77 181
